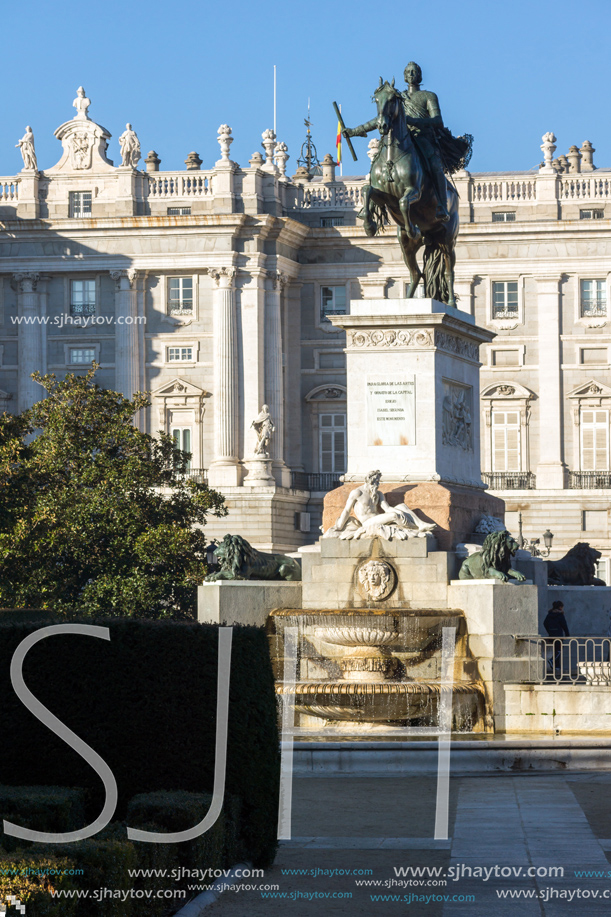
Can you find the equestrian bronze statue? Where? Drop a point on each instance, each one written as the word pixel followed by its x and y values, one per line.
pixel 408 181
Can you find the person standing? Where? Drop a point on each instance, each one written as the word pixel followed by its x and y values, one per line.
pixel 556 626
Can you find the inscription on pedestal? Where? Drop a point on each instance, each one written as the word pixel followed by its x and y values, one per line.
pixel 391 410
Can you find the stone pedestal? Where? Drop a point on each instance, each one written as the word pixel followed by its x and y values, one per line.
pixel 494 613
pixel 413 391
pixel 456 510
pixel 258 472
pixel 233 602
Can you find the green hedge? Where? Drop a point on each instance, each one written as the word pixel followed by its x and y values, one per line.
pixel 146 702
pixel 42 808
pixel 104 862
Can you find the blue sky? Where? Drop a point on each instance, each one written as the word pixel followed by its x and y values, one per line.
pixel 506 73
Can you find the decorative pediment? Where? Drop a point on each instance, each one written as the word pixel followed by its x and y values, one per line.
pixel 508 389
pixel 179 388
pixel 591 389
pixel 328 392
pixel 84 142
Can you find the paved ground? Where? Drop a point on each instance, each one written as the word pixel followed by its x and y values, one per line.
pixel 385 825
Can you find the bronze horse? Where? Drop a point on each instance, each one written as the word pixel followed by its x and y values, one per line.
pixel 399 185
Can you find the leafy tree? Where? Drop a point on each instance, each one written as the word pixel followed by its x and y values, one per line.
pixel 95 516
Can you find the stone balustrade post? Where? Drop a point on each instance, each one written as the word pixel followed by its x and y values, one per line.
pixel 127 362
pixel 225 469
pixel 29 339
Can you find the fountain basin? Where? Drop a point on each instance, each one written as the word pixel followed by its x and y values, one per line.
pixel 390 702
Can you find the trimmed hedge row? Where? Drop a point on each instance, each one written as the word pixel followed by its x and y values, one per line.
pixel 105 861
pixel 146 702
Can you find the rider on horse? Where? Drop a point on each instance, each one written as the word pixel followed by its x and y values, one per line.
pixel 439 151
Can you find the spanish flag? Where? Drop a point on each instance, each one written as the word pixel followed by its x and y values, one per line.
pixel 338 143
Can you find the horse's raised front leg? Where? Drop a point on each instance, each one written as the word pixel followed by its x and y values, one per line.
pixel 365 214
pixel 410 197
pixel 409 249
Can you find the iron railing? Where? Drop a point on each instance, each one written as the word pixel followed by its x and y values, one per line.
pixel 566 660
pixel 200 475
pixel 510 480
pixel 589 480
pixel 321 481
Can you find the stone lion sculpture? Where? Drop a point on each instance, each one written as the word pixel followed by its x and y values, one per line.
pixel 576 568
pixel 239 560
pixel 494 560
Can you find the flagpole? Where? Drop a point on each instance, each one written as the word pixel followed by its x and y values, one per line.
pixel 275 134
pixel 341 165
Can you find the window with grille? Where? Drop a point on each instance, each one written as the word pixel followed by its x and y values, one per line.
pixel 82 297
pixel 332 301
pixel 505 299
pixel 180 354
pixel 594 440
pixel 82 354
pixel 80 203
pixel 593 298
pixel 504 216
pixel 179 211
pixel 591 214
pixel 332 429
pixel 180 294
pixel 506 441
pixel 327 222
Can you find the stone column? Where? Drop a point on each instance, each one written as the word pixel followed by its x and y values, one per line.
pixel 127 357
pixel 29 339
pixel 551 470
pixel 274 376
pixel 225 469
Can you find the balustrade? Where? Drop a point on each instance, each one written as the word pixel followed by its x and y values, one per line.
pixel 9 189
pixel 174 185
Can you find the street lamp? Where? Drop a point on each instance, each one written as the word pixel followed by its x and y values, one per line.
pixel 548 537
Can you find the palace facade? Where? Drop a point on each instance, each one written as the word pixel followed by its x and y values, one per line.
pixel 211 289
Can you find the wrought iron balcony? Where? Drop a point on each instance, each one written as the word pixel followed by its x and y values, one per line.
pixel 590 480
pixel 199 475
pixel 320 481
pixel 510 480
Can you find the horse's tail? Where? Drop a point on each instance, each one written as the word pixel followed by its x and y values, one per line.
pixel 379 215
pixel 435 280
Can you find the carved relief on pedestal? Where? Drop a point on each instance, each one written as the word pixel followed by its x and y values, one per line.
pixel 391 337
pixel 376 579
pixel 456 427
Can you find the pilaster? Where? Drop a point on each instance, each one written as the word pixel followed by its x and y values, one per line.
pixel 551 470
pixel 127 349
pixel 225 469
pixel 29 339
pixel 274 374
